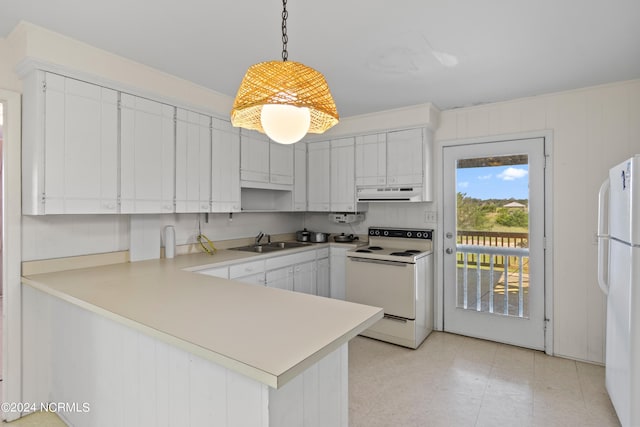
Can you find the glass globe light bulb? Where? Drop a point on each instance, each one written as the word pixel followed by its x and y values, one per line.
pixel 285 124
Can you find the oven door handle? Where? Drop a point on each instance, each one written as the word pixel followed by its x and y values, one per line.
pixel 379 261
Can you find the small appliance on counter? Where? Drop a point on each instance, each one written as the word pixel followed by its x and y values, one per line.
pixel 312 236
pixel 342 238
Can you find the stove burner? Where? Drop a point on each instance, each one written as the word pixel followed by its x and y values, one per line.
pixel 363 250
pixel 401 254
pixel 375 248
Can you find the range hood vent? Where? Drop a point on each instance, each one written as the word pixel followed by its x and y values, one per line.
pixel 390 194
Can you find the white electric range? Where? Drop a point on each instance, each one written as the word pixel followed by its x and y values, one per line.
pixel 395 272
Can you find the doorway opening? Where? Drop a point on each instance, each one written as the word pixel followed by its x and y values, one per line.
pixel 494 233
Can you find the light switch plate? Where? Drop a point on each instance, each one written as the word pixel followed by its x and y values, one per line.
pixel 430 216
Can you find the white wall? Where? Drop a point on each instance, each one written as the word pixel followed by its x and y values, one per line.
pixel 593 129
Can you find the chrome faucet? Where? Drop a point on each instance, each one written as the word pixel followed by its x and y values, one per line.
pixel 259 237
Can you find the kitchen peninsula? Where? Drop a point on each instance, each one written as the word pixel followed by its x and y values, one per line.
pixel 150 343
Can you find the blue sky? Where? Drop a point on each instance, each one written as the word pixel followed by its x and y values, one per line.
pixel 494 182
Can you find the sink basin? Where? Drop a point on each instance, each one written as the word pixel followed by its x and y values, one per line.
pixel 270 247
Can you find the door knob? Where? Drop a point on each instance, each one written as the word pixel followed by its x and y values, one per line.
pixel 448 235
pixel 449 251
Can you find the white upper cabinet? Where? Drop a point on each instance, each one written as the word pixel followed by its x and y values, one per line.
pixel 319 176
pixel 300 177
pixel 225 167
pixel 254 155
pixel 371 160
pixel 405 157
pixel 264 163
pixel 147 158
pixel 400 158
pixel 193 161
pixel 70 146
pixel 281 163
pixel 343 188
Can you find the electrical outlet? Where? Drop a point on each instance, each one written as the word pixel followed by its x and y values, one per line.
pixel 430 216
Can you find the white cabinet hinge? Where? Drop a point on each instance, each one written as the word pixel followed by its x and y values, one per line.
pixel 44 86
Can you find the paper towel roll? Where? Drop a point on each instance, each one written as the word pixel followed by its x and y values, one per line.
pixel 169 241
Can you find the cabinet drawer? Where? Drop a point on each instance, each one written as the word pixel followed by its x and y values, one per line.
pixel 285 260
pixel 246 269
pixel 222 272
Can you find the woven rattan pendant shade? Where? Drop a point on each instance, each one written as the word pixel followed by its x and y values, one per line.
pixel 283 82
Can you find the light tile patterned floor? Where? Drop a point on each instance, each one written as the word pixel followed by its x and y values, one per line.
pixel 458 381
pixel 38 419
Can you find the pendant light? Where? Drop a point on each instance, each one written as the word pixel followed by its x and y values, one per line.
pixel 284 99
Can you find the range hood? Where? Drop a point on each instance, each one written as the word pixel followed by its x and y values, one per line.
pixel 390 194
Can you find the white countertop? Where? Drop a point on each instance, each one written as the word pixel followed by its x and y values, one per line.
pixel 269 335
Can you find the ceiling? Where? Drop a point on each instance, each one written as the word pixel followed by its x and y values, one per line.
pixel 375 54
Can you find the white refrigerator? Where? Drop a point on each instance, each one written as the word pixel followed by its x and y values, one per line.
pixel 619 278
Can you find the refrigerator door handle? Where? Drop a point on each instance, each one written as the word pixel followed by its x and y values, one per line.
pixel 602 235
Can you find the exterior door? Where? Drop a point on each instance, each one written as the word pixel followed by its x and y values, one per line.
pixel 494 241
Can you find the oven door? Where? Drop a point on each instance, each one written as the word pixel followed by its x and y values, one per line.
pixel 386 284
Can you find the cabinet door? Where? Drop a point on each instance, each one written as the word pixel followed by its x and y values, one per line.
pixel 81 147
pixel 405 157
pixel 252 279
pixel 343 187
pixel 147 158
pixel 371 160
pixel 322 278
pixel 300 177
pixel 338 272
pixel 254 156
pixel 318 176
pixel 225 167
pixel 193 161
pixel 281 278
pixel 281 163
pixel 304 278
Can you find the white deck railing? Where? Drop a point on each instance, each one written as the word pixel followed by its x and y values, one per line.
pixel 481 254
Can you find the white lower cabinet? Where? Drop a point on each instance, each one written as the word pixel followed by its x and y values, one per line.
pixel 304 277
pixel 322 278
pixel 338 272
pixel 281 278
pixel 222 272
pixel 249 272
pixel 316 272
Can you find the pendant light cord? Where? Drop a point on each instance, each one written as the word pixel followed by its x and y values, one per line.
pixel 285 38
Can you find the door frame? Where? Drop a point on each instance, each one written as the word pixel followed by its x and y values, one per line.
pixel 12 238
pixel 547 135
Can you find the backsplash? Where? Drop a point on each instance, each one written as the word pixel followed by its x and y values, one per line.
pixel 411 215
pixel 57 236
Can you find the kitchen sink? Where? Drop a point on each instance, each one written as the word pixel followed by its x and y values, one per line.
pixel 270 247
